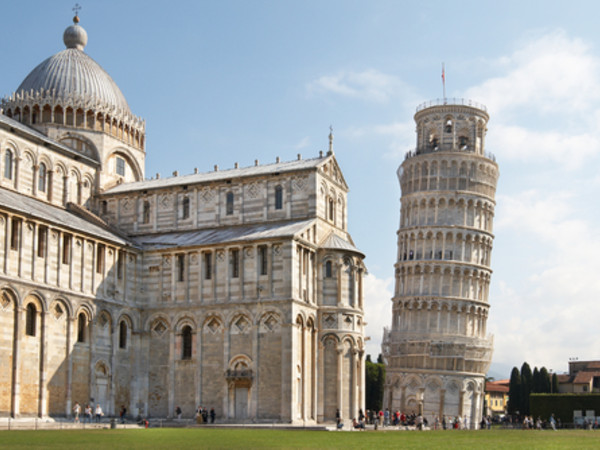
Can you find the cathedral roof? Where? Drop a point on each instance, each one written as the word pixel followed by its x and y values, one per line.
pixel 335 242
pixel 31 207
pixel 229 234
pixel 72 74
pixel 280 167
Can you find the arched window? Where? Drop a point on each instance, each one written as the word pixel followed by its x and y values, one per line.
pixel 185 208
pixel 123 334
pixel 448 126
pixel 42 175
pixel 328 269
pixel 30 320
pixel 8 165
pixel 81 327
pixel 229 207
pixel 186 342
pixel 331 205
pixel 278 197
pixel 146 212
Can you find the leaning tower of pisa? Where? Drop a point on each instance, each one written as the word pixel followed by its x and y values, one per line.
pixel 437 350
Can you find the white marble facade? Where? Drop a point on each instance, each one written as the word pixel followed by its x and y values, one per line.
pixel 238 290
pixel 437 348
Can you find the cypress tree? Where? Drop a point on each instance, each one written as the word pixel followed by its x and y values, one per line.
pixel 514 392
pixel 554 388
pixel 526 385
pixel 536 385
pixel 545 379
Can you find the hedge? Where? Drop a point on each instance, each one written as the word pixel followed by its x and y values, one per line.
pixel 563 405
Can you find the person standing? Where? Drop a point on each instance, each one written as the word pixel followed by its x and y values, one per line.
pixel 553 422
pixel 87 414
pixel 178 412
pixel 122 413
pixel 99 413
pixel 212 415
pixel 76 411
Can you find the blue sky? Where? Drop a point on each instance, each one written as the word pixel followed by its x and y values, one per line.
pixel 220 82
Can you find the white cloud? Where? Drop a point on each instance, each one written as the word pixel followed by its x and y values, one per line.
pixel 377 294
pixel 550 312
pixel 370 85
pixel 516 142
pixel 550 73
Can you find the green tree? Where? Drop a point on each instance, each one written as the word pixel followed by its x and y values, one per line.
pixel 374 384
pixel 554 388
pixel 546 380
pixel 536 385
pixel 526 384
pixel 514 392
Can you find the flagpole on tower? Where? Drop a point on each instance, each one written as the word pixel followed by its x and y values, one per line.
pixel 444 81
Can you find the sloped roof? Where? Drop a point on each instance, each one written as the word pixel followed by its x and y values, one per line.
pixel 212 236
pixel 32 207
pixel 494 386
pixel 335 242
pixel 40 138
pixel 585 377
pixel 281 167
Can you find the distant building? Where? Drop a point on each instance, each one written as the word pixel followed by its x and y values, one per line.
pixel 239 290
pixel 496 397
pixel 438 350
pixel 583 378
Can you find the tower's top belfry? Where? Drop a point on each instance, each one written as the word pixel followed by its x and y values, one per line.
pixel 457 126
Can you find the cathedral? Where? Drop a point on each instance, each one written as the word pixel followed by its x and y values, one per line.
pixel 438 350
pixel 239 290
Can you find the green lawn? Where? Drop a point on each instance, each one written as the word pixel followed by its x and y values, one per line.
pixel 248 438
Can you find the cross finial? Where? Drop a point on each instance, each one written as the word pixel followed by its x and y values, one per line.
pixel 76 9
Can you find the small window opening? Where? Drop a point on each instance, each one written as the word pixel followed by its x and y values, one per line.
pixel 66 248
pixel 180 267
pixel 30 320
pixel 262 260
pixel 186 337
pixel 328 269
pixel 123 334
pixel 41 241
pixel 120 166
pixel 100 258
pixel 81 327
pixel 278 197
pixel 207 266
pixel 185 208
pixel 229 206
pixel 235 263
pixel 146 214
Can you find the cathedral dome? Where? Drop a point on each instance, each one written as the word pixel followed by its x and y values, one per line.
pixel 72 74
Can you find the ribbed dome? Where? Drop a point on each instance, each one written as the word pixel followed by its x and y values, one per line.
pixel 73 74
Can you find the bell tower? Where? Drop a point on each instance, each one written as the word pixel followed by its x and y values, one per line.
pixel 437 349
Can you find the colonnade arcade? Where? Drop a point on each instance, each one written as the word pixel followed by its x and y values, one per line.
pixel 435 396
pixel 444 281
pixel 440 245
pixel 55 346
pixel 459 318
pixel 120 125
pixel 456 210
pixel 451 174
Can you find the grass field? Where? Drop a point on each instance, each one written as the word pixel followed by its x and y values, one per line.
pixel 253 438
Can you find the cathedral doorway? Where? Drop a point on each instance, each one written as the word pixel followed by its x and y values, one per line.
pixel 241 402
pixel 102 394
pixel 239 378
